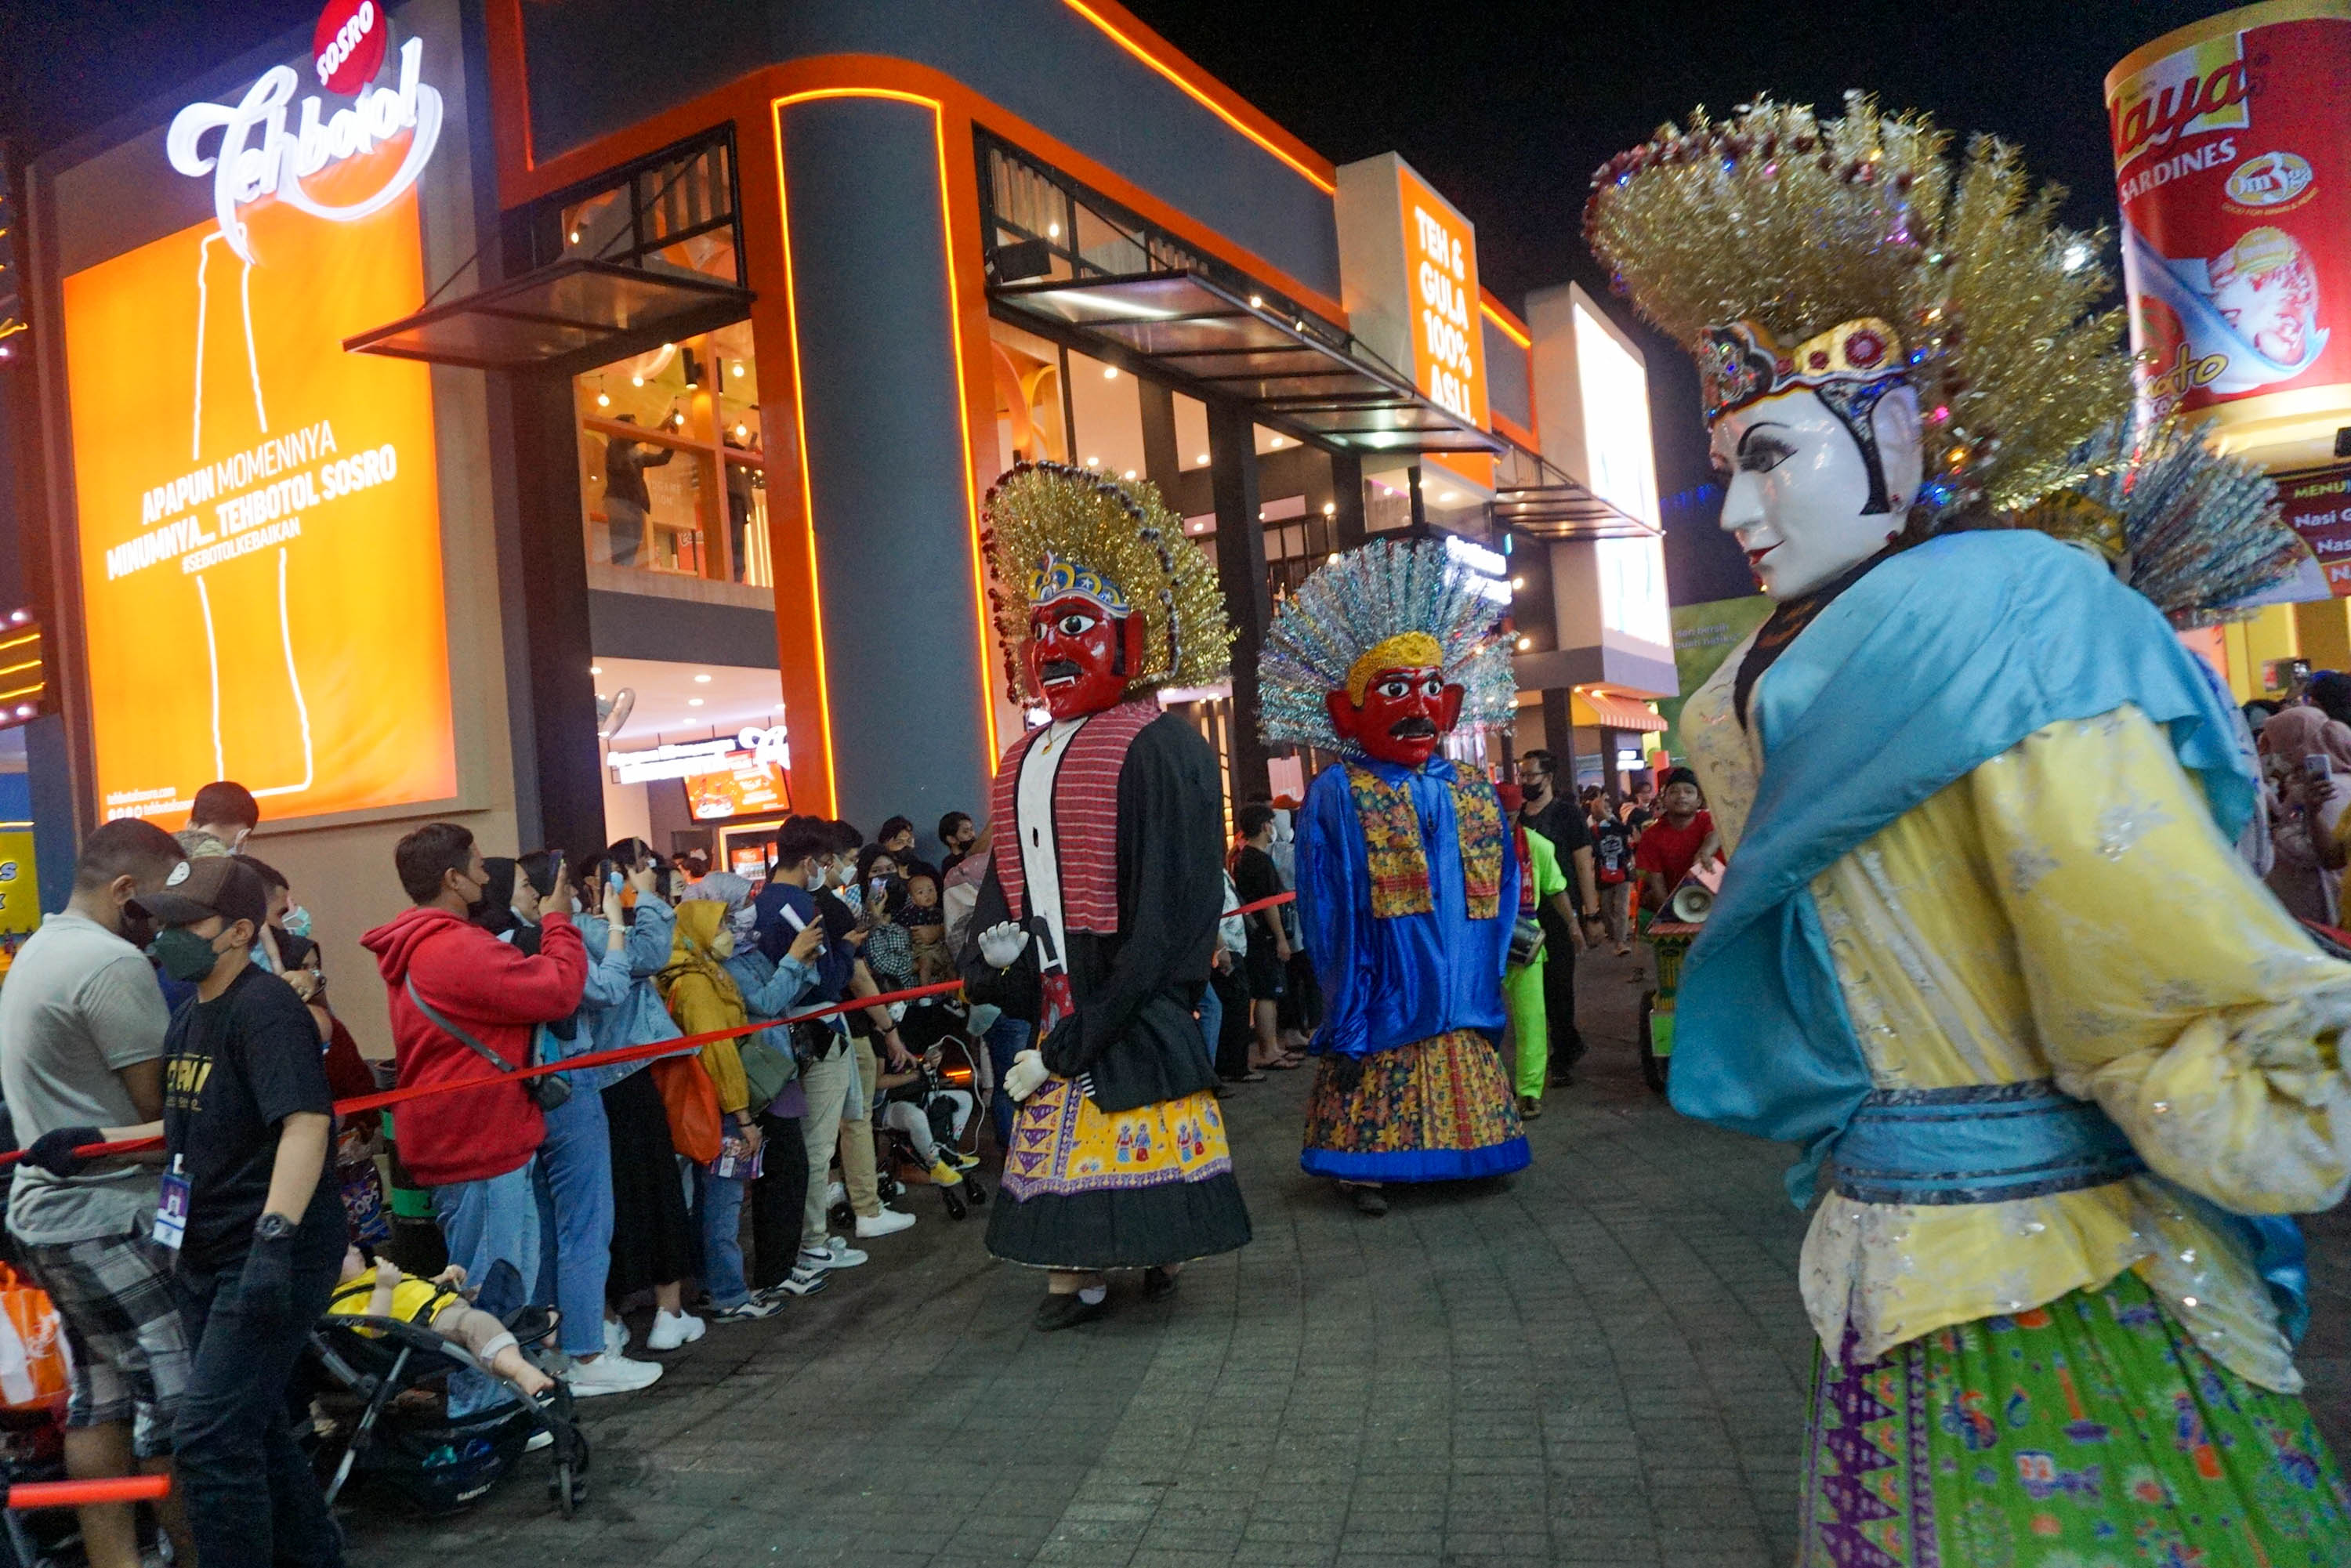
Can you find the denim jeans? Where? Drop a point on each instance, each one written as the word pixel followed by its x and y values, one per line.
pixel 574 1164
pixel 487 1222
pixel 250 1496
pixel 1212 1020
pixel 718 1213
pixel 1007 1038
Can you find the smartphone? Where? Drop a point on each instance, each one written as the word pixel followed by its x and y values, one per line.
pixel 2318 765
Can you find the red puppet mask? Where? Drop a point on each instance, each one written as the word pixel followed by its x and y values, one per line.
pixel 1081 654
pixel 1397 705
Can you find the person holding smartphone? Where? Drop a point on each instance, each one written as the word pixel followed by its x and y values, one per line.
pixel 2306 758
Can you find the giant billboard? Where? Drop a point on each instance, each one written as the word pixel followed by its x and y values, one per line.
pixel 258 511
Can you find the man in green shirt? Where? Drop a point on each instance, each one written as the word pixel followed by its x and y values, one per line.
pixel 1522 984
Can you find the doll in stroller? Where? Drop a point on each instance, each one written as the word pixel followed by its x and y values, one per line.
pixel 929 1117
pixel 385 1338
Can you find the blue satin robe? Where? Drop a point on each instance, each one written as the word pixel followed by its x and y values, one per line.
pixel 1395 982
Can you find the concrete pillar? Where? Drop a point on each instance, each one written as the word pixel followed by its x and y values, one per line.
pixel 883 413
pixel 1240 571
pixel 1347 496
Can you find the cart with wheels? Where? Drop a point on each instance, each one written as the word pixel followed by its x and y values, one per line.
pixel 1669 940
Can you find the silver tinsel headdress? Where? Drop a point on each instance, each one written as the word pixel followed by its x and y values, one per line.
pixel 1369 596
pixel 2196 531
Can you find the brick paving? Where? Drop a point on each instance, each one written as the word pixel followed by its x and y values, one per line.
pixel 1599 1361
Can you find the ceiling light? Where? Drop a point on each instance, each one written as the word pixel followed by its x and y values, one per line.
pixel 1330 508
pixel 603 399
pixel 1518 582
pixel 693 702
pixel 737 370
pixel 1333 557
pixel 678 419
pixel 1203 460
pixel 1447 497
pixel 669 347
pixel 636 380
pixel 1093 462
pixel 1525 644
pixel 1110 372
pixel 1256 302
pixel 575 237
pixel 702 680
pixel 595 669
pixel 1053 231
pixel 742 431
pixel 1277 441
pixel 1130 473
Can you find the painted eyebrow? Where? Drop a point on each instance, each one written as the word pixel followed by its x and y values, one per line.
pixel 1749 434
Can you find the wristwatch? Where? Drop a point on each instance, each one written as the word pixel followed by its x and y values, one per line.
pixel 271 1228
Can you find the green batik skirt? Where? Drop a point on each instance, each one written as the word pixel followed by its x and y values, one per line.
pixel 2090 1433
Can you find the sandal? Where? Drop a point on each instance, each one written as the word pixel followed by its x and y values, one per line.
pixel 1287 1063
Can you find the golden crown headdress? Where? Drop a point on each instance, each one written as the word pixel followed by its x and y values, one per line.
pixel 1769 242
pixel 1051 530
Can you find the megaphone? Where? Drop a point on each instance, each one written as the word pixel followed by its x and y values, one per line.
pixel 1694 899
pixel 1691 902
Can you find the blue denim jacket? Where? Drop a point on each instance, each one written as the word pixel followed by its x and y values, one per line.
pixel 770 989
pixel 621 1005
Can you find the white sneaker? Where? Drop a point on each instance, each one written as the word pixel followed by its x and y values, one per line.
pixel 835 1195
pixel 883 1223
pixel 610 1372
pixel 843 1255
pixel 542 1439
pixel 672 1329
pixel 616 1336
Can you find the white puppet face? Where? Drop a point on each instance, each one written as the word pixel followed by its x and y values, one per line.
pixel 1804 498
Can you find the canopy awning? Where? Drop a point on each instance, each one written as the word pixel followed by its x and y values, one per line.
pixel 562 319
pixel 1564 509
pixel 1190 330
pixel 1605 711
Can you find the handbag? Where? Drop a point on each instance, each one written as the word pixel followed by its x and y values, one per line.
pixel 691 1101
pixel 768 1071
pixel 547 1093
pixel 32 1348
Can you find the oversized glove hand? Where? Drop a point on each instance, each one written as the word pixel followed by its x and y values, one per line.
pixel 1026 1075
pixel 1002 945
pixel 54 1151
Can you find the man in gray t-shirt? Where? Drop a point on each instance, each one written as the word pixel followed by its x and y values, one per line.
pixel 82 1049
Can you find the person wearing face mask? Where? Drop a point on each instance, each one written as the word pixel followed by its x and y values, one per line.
pixel 1407 874
pixel 221 818
pixel 1983 950
pixel 81 1046
pixel 465 1008
pixel 248 1120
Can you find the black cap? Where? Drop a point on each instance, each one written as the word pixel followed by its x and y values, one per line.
pixel 198 889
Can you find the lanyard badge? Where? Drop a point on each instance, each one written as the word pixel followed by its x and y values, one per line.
pixel 172 1207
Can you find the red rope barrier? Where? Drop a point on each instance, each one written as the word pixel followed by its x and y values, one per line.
pixel 660 1048
pixel 71 1494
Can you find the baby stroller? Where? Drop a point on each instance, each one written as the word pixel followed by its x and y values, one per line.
pixel 413 1448
pixel 933 1030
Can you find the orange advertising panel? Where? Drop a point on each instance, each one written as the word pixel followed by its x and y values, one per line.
pixel 260 537
pixel 1448 344
pixel 746 787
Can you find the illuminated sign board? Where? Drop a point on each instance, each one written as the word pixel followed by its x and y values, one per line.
pixel 257 156
pixel 764 747
pixel 1622 469
pixel 259 511
pixel 1449 347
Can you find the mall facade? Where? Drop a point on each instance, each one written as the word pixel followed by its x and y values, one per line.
pixel 579 427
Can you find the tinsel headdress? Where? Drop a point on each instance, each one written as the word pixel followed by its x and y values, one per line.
pixel 1382 594
pixel 1051 530
pixel 1798 228
pixel 2195 531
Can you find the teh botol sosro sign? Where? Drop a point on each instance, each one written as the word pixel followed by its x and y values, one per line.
pixel 2232 165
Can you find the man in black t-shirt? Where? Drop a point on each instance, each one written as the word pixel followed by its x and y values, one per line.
pixel 1558 818
pixel 1265 966
pixel 247 1123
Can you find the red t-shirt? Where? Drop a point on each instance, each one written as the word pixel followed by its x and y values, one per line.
pixel 1671 852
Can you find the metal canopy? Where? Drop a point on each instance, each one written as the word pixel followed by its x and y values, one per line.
pixel 1188 329
pixel 562 319
pixel 1535 497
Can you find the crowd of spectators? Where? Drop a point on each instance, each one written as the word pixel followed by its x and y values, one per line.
pixel 179 997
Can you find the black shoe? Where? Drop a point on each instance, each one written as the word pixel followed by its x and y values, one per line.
pixel 1369 1200
pixel 1058 1311
pixel 1158 1283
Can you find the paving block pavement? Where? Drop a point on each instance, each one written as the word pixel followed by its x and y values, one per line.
pixel 1601 1360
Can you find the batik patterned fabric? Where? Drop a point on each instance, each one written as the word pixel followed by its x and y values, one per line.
pixel 1062 1143
pixel 2091 1433
pixel 1399 858
pixel 1440 1110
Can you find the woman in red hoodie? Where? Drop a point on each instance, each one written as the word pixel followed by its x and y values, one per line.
pixel 463 1008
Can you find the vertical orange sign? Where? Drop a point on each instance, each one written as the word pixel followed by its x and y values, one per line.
pixel 260 537
pixel 1449 347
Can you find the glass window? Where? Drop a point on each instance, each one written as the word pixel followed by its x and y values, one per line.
pixel 673 465
pixel 676 216
pixel 1107 406
pixel 1031 411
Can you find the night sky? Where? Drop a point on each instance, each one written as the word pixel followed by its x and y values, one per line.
pixel 1508 108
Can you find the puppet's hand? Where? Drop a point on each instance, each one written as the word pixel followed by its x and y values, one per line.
pixel 1002 945
pixel 1026 1075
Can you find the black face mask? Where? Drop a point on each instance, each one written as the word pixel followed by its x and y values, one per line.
pixel 137 929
